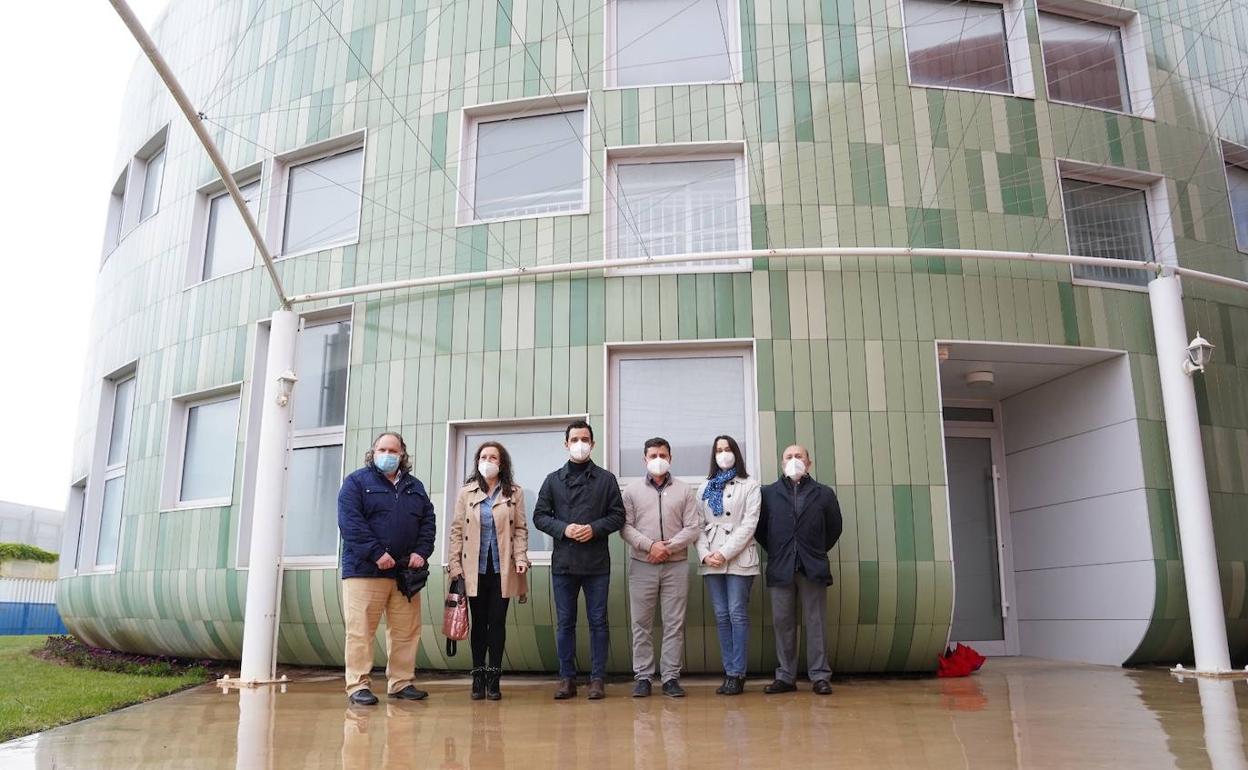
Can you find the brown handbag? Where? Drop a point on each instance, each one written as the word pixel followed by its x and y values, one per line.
pixel 455 616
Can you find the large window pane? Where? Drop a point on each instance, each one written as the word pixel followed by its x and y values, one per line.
pixel 673 41
pixel 1237 182
pixel 957 44
pixel 1108 221
pixel 151 184
pixel 323 202
pixel 208 462
pixel 688 401
pixel 321 393
pixel 119 433
pixel 116 211
pixel 229 246
pixel 312 501
pixel 533 165
pixel 534 454
pixel 676 207
pixel 1083 62
pixel 110 522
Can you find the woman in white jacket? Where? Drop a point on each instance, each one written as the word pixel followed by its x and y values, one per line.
pixel 728 502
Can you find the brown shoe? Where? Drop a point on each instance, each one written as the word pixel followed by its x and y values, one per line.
pixel 597 690
pixel 567 689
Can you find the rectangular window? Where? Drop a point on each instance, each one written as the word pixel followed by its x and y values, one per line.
pixel 115 452
pixel 525 159
pixel 1084 62
pixel 686 394
pixel 228 247
pixel 110 522
pixel 1237 187
pixel 208 452
pixel 1106 220
pixel 71 534
pixel 153 177
pixel 319 405
pixel 958 45
pixel 662 204
pixel 116 212
pixel 323 200
pixel 119 430
pixel 654 42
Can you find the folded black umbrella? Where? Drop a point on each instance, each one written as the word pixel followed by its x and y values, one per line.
pixel 411 580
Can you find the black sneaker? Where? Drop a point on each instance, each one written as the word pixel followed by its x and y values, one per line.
pixel 672 689
pixel 780 686
pixel 641 689
pixel 409 693
pixel 363 697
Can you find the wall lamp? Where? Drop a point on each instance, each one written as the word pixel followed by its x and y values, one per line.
pixel 285 384
pixel 1199 353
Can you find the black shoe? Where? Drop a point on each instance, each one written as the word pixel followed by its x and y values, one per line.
pixel 410 693
pixel 822 687
pixel 672 689
pixel 478 683
pixel 780 686
pixel 723 688
pixel 492 676
pixel 363 697
pixel 641 689
pixel 735 685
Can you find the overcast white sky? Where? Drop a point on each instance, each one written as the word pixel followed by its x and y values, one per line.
pixel 65 71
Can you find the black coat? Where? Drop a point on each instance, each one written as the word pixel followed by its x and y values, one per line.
pixel 798 538
pixel 591 497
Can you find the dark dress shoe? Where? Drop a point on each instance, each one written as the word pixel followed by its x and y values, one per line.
pixel 641 689
pixel 597 689
pixel 566 689
pixel 363 697
pixel 492 675
pixel 478 683
pixel 721 690
pixel 734 686
pixel 410 693
pixel 779 686
pixel 822 687
pixel 672 689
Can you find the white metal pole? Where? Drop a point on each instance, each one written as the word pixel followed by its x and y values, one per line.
pixel 264 570
pixel 254 741
pixel 1224 736
pixel 1191 490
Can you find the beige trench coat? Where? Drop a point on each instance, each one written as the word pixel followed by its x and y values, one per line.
pixel 512 529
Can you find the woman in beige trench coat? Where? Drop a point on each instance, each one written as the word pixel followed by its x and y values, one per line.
pixel 490 551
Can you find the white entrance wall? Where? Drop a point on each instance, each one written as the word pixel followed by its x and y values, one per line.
pixel 1083 557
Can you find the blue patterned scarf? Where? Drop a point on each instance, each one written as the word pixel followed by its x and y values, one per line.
pixel 714 492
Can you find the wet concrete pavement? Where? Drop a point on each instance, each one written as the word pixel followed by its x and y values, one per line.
pixel 1013 713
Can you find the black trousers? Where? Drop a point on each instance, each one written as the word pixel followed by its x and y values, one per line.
pixel 489 620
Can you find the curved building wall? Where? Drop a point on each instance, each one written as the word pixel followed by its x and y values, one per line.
pixel 835 148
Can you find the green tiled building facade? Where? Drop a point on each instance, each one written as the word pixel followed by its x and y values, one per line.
pixel 833 146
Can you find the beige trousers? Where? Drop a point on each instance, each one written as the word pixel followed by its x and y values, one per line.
pixel 364 600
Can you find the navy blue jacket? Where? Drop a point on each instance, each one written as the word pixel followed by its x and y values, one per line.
pixel 377 517
pixel 797 526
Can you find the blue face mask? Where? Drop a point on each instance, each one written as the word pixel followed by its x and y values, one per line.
pixel 386 463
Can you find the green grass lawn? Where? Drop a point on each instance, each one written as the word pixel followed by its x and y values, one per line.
pixel 36 694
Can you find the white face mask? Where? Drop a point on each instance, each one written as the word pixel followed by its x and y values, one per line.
pixel 579 450
pixel 487 469
pixel 658 466
pixel 725 460
pixel 794 468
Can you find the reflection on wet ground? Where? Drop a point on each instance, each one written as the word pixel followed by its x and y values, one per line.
pixel 1014 713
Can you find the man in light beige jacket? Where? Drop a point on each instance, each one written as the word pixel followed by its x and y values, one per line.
pixel 661 521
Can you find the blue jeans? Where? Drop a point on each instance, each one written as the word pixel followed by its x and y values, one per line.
pixel 730 596
pixel 566 589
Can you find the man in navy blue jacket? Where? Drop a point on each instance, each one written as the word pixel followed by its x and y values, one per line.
pixel 387 521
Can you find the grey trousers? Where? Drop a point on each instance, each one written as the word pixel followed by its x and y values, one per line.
pixel 666 585
pixel 814 599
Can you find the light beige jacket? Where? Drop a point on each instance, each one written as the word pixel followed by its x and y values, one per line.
pixel 512 528
pixel 732 534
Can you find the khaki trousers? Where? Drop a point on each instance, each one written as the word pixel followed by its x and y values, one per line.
pixel 364 600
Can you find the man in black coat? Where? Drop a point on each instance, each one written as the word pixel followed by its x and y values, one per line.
pixel 799 523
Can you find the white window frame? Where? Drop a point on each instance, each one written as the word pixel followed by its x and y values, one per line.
pixel 1134 50
pixel 201 218
pixel 1234 155
pixel 470 120
pixel 619 351
pixel 100 472
pixel 311 438
pixel 457 429
pixel 675 153
pixel 274 198
pixel 138 175
pixel 175 446
pixel 75 524
pixel 1157 201
pixel 115 221
pixel 1017 52
pixel 610 44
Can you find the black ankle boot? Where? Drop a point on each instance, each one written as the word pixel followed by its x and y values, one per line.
pixel 478 683
pixel 492 675
pixel 723 688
